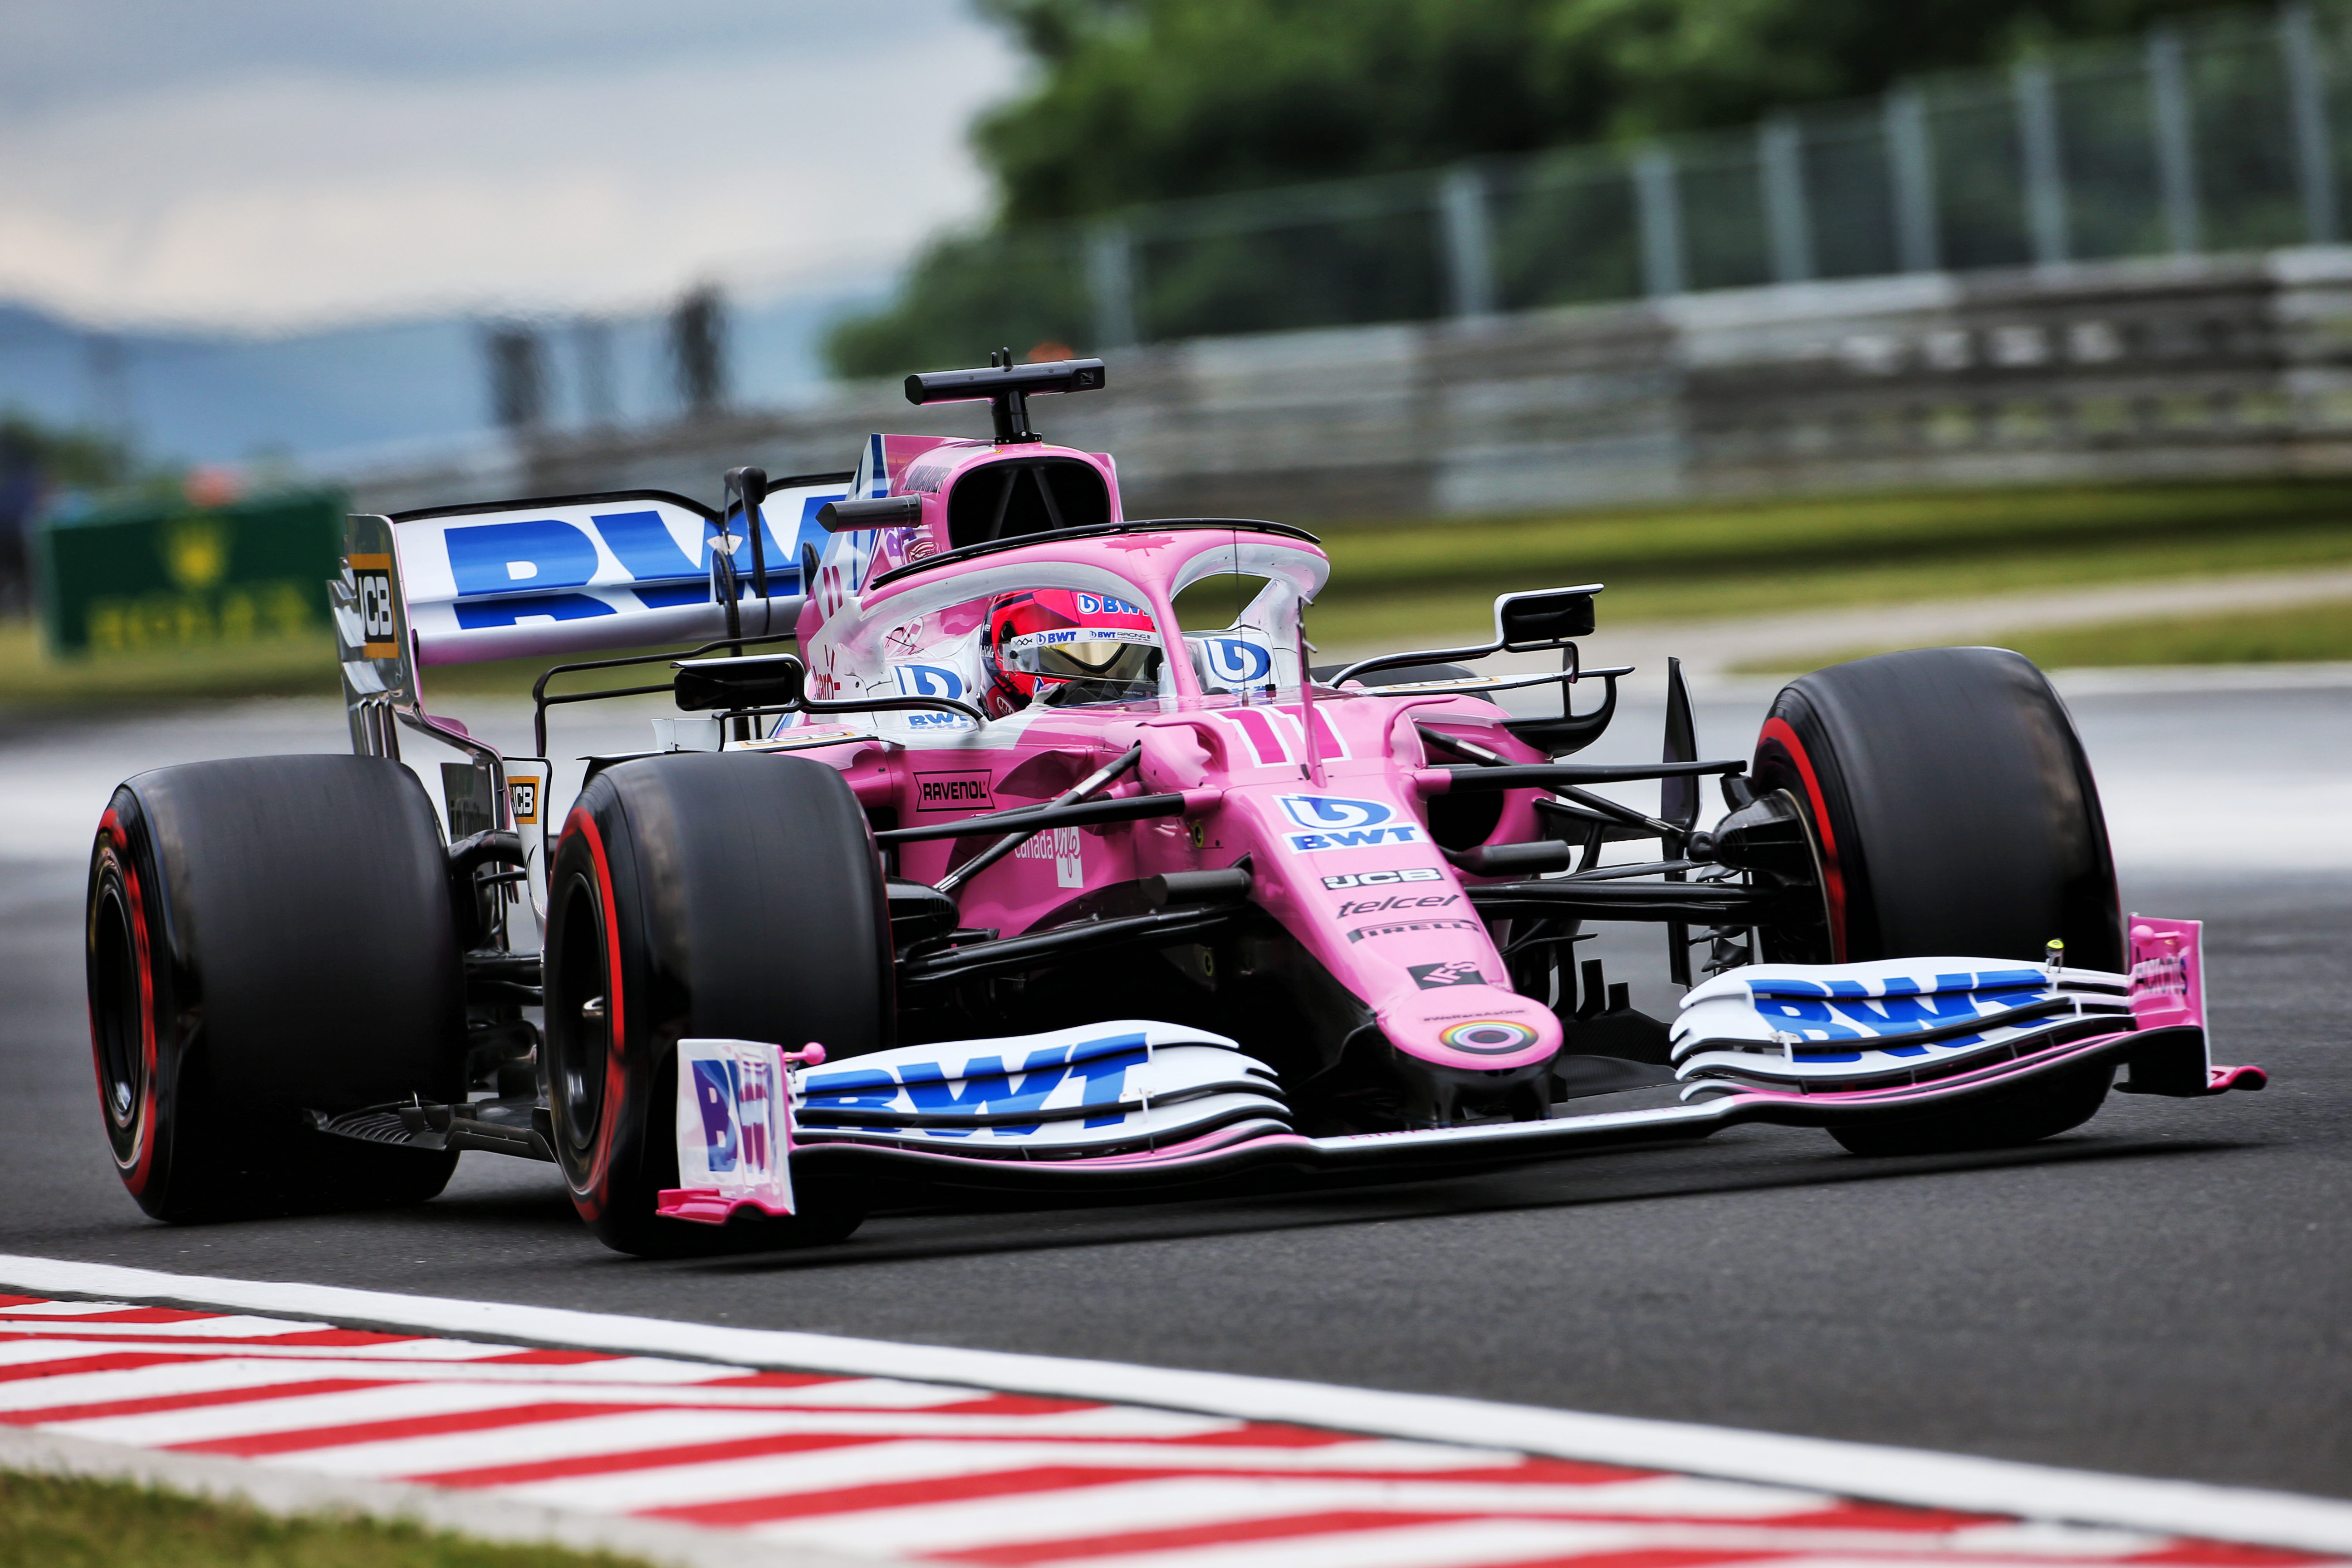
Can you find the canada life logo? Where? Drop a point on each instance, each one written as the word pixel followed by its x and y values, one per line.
pixel 1336 823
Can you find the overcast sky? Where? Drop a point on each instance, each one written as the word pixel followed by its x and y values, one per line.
pixel 279 164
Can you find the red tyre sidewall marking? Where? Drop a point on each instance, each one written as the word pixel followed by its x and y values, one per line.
pixel 1778 732
pixel 135 1175
pixel 591 1203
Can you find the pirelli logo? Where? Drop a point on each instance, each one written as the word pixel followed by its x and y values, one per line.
pixel 379 627
pixel 953 792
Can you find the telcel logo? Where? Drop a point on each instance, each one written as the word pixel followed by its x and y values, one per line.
pixel 1343 824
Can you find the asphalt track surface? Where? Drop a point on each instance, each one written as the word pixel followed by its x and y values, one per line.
pixel 2165 1293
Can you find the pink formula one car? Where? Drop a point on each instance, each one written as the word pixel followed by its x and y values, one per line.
pixel 1048 865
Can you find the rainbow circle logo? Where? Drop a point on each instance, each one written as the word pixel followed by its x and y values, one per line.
pixel 1488 1036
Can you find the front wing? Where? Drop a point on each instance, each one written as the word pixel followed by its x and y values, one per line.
pixel 1195 1111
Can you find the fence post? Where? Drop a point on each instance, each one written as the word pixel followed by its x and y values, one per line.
pixel 592 341
pixel 1911 174
pixel 2306 91
pixel 1469 255
pixel 518 364
pixel 1788 222
pixel 1110 284
pixel 2045 174
pixel 2176 142
pixel 1660 207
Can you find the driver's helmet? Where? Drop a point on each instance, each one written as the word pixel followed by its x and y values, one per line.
pixel 1059 645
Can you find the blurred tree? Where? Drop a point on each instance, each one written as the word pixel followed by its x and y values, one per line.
pixel 1143 101
pixel 967 295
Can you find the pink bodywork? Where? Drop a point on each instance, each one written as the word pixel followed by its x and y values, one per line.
pixel 1243 763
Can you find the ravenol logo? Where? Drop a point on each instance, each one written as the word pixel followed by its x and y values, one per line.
pixel 952 792
pixel 1343 824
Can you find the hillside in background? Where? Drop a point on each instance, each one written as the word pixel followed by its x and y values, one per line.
pixel 190 398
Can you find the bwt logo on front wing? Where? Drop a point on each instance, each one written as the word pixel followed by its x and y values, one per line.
pixel 1339 823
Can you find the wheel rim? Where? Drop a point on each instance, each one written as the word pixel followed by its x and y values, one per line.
pixel 118 1013
pixel 580 1031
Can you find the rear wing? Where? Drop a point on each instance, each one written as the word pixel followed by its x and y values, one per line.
pixel 575 574
pixel 567 575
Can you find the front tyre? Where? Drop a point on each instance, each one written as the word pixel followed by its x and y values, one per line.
pixel 721 895
pixel 1956 814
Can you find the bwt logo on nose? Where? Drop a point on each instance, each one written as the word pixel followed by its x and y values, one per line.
pixel 1342 824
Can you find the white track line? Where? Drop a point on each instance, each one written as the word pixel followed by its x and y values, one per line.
pixel 1851 1469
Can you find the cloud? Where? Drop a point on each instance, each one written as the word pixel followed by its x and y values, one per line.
pixel 329 175
pixel 64 52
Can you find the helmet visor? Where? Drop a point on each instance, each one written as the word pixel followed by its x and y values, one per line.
pixel 1109 661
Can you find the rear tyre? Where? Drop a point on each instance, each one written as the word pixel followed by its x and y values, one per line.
pixel 719 895
pixel 266 936
pixel 1956 814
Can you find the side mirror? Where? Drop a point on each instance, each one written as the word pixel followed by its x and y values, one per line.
pixel 1548 618
pixel 759 681
pixel 1543 619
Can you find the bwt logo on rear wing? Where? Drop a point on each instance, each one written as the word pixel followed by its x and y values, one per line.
pixel 578 573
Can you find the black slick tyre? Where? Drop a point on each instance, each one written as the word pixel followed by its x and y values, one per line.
pixel 719 895
pixel 264 937
pixel 1955 813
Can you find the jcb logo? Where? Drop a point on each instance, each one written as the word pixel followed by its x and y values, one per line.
pixel 378 627
pixel 523 794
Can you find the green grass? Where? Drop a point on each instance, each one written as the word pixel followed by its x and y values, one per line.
pixel 1394 582
pixel 1398 584
pixel 49 1522
pixel 277 666
pixel 2303 634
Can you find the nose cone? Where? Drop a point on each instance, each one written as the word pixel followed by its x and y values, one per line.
pixel 1469 1025
pixel 1469 1049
